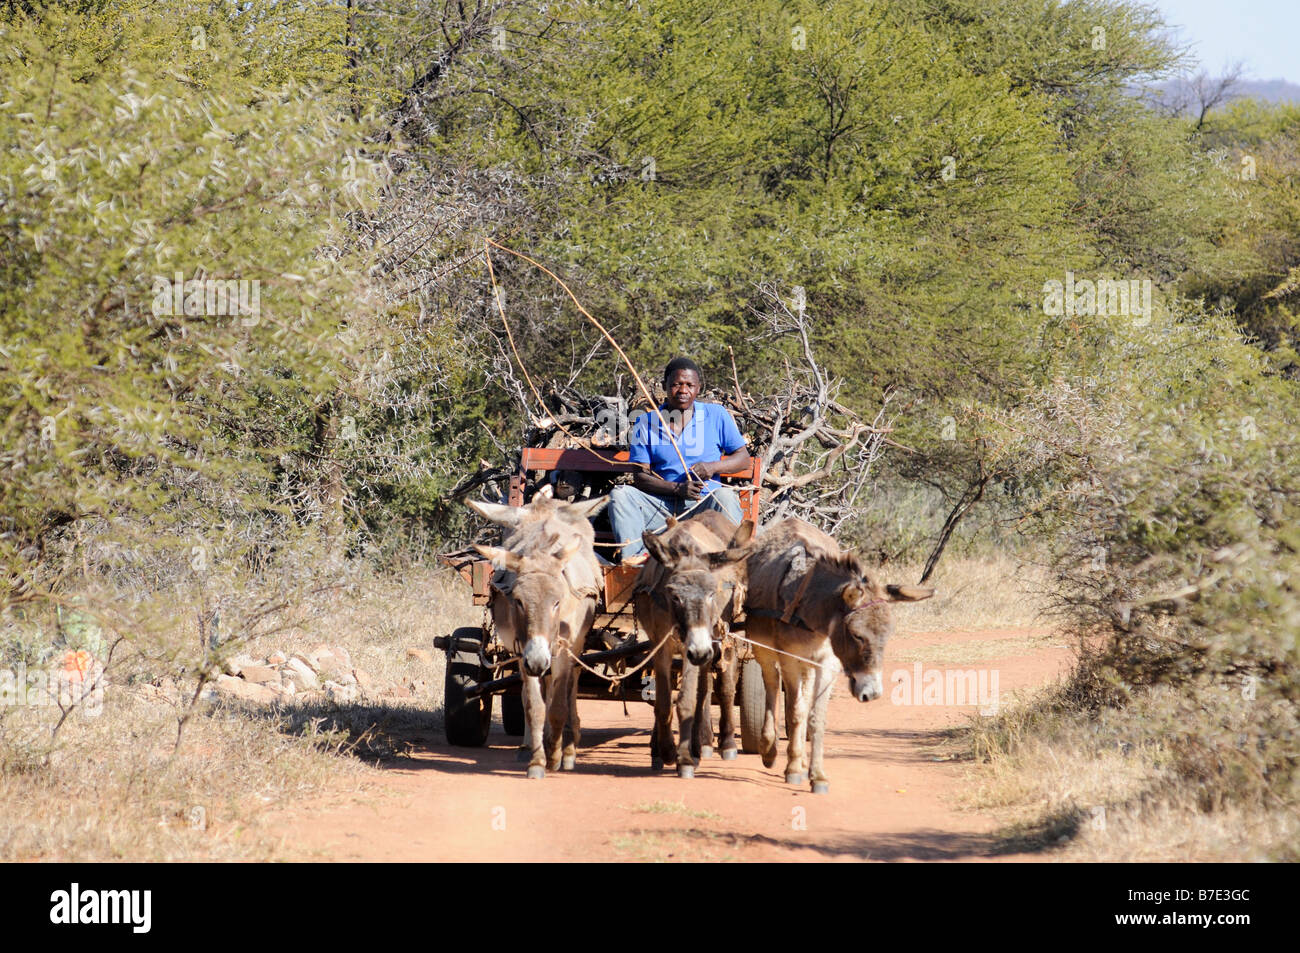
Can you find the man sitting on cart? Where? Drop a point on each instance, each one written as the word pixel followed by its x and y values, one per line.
pixel 707 441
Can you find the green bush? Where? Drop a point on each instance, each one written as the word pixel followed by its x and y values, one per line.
pixel 1171 508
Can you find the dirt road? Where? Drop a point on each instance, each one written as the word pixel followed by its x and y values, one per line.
pixel 892 796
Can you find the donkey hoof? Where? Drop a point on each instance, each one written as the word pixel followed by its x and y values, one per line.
pixel 568 762
pixel 686 770
pixel 656 763
pixel 728 754
pixel 821 787
pixel 536 772
pixel 797 780
pixel 706 751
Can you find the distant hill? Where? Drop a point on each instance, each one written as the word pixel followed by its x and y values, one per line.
pixel 1268 90
pixel 1271 90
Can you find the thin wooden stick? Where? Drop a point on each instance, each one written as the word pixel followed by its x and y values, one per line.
pixel 601 328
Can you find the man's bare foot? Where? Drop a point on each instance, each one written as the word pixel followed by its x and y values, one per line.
pixel 637 560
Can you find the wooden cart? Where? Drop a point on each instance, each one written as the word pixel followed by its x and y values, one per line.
pixel 477 663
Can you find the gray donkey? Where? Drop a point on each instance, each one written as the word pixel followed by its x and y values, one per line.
pixel 687 593
pixel 811 611
pixel 546 586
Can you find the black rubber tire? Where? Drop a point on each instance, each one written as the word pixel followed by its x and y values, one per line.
pixel 466 721
pixel 753 705
pixel 512 714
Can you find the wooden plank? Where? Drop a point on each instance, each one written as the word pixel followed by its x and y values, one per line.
pixel 576 458
pixel 582 459
pixel 579 458
pixel 749 506
pixel 618 586
pixel 482 573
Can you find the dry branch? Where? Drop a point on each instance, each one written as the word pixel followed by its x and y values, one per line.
pixel 817 455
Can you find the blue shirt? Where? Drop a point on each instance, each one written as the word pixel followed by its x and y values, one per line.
pixel 708 436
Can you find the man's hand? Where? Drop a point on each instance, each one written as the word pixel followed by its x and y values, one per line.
pixel 689 490
pixel 703 471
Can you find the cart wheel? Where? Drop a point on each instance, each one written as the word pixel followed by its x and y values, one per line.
pixel 465 720
pixel 512 714
pixel 753 705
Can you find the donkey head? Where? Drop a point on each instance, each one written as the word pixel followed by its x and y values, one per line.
pixel 699 586
pixel 544 604
pixel 862 626
pixel 543 512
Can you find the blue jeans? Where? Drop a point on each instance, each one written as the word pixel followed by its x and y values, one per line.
pixel 632 512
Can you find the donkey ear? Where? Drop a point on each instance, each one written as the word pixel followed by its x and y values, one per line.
pixel 849 560
pixel 743 534
pixel 571 547
pixel 656 547
pixel 589 508
pixel 729 555
pixel 908 593
pixel 498 513
pixel 501 558
pixel 854 594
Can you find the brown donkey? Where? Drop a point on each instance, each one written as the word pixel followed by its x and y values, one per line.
pixel 686 595
pixel 546 585
pixel 811 611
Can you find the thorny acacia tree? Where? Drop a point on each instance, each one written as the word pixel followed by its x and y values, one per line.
pixel 173 283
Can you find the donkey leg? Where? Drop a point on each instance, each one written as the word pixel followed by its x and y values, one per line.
pixel 575 726
pixel 702 745
pixel 535 720
pixel 825 680
pixel 663 751
pixel 727 723
pixel 557 711
pixel 796 719
pixel 574 672
pixel 772 685
pixel 687 700
pixel 524 751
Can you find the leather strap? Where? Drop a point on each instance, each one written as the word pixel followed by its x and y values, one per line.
pixel 798 596
pixel 793 619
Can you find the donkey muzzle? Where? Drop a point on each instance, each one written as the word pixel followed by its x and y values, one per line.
pixel 866 688
pixel 537 657
pixel 698 647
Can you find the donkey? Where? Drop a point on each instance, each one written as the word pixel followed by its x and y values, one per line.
pixel 687 593
pixel 812 601
pixel 546 584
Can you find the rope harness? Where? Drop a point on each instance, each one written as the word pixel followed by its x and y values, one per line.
pixel 563 643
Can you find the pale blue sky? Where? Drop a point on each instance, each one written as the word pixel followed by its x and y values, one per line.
pixel 1263 34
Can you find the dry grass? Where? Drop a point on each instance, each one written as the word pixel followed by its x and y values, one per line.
pixel 1103 784
pixel 972 651
pixel 672 807
pixel 676 846
pixel 110 788
pixel 1109 786
pixel 997 591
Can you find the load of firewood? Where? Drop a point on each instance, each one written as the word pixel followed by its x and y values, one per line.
pixel 817 454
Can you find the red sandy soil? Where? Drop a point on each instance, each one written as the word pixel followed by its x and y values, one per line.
pixel 894 789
